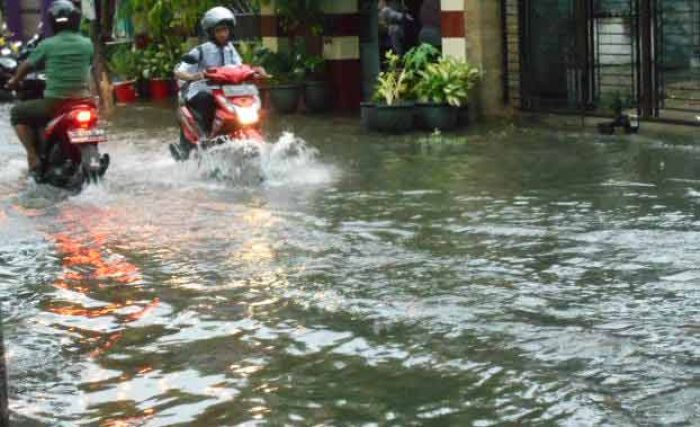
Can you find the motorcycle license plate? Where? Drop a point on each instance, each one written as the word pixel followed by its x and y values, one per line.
pixel 87 136
pixel 239 90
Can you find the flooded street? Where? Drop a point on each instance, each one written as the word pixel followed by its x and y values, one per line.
pixel 505 277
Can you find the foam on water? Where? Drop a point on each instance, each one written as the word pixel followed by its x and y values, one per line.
pixel 12 169
pixel 292 161
pixel 140 163
pixel 245 163
pixel 287 161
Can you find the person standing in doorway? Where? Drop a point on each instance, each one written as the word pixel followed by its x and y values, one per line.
pixel 391 23
pixel 430 21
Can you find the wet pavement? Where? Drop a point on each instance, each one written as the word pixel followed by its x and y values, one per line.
pixel 505 276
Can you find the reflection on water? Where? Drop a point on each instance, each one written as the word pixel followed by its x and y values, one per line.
pixel 508 276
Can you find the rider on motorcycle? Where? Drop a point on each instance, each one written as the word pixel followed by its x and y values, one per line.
pixel 67 58
pixel 218 23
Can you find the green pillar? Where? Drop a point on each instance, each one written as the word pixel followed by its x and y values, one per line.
pixel 369 46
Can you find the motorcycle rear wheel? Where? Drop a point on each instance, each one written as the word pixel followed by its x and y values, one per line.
pixel 90 162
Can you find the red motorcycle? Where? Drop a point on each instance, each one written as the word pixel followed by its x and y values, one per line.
pixel 238 111
pixel 69 146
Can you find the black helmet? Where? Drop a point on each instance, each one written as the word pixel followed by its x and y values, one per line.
pixel 64 15
pixel 217 17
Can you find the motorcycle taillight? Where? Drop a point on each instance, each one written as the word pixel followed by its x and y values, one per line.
pixel 84 118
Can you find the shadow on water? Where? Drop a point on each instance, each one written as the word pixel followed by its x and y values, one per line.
pixel 500 276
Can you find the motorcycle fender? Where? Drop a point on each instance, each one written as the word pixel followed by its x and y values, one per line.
pixel 189 124
pixel 51 127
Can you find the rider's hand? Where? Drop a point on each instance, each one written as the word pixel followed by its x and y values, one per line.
pixel 198 76
pixel 260 72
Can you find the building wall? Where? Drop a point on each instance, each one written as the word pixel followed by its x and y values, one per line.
pixel 471 30
pixel 31 15
pixel 23 16
pixel 453 27
pixel 340 47
pixel 485 48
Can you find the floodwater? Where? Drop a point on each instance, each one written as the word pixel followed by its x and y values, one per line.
pixel 505 276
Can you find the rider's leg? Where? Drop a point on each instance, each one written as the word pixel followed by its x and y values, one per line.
pixel 203 103
pixel 28 118
pixel 27 136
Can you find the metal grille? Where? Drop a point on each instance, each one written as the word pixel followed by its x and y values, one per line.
pixel 549 55
pixel 511 54
pixel 616 53
pixel 592 55
pixel 678 61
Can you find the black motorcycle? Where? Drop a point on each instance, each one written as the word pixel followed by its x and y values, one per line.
pixel 34 83
pixel 9 60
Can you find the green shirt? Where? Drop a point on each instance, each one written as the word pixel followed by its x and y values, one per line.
pixel 67 58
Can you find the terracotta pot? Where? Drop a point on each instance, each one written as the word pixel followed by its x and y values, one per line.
pixel 125 92
pixel 160 89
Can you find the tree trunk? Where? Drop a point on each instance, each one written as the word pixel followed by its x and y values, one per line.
pixel 104 86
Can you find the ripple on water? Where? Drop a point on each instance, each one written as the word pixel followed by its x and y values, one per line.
pixel 168 295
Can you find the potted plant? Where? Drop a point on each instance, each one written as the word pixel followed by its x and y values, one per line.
pixel 254 54
pixel 392 112
pixel 157 64
pixel 442 88
pixel 299 19
pixel 317 91
pixel 418 58
pixel 284 85
pixel 415 60
pixel 617 104
pixel 297 16
pixel 124 67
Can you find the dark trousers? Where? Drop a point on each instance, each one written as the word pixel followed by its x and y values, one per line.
pixel 204 107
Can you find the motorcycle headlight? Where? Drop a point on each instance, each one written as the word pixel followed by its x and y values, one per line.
pixel 247 115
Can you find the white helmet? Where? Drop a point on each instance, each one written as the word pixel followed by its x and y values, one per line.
pixel 216 17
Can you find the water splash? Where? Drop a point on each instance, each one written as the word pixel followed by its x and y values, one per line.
pixel 289 160
pixel 292 161
pixel 235 162
pixel 12 169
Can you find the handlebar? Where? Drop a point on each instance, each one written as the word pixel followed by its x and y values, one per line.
pixel 235 75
